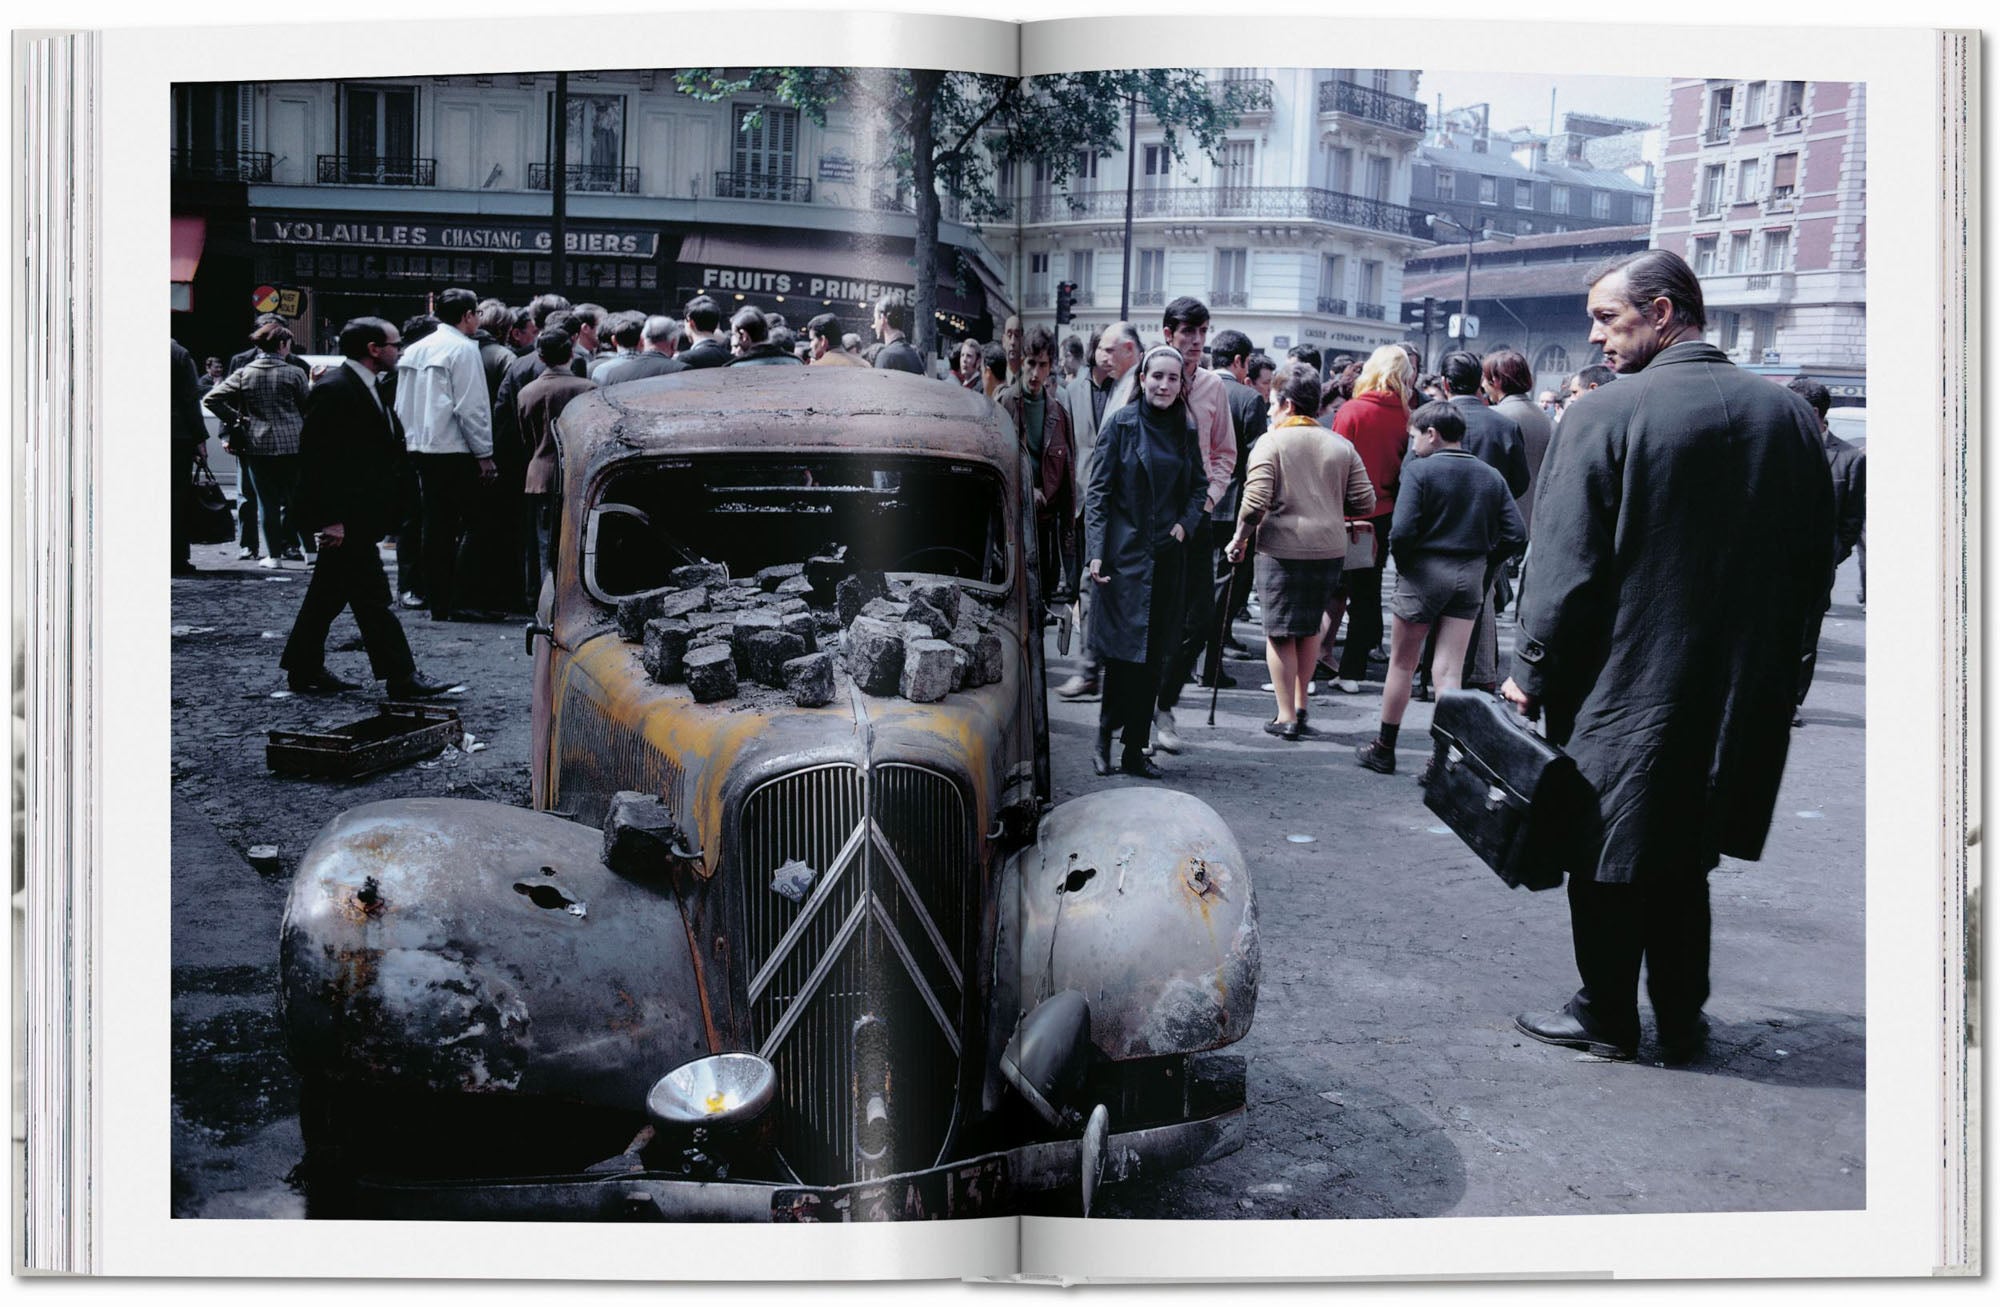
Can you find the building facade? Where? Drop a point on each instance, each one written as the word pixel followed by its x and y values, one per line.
pixel 1527 184
pixel 1296 234
pixel 1764 191
pixel 340 198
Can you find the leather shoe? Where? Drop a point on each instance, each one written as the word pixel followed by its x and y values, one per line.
pixel 1135 763
pixel 1280 729
pixel 1100 753
pixel 1376 756
pixel 417 686
pixel 1077 687
pixel 1565 1031
pixel 319 681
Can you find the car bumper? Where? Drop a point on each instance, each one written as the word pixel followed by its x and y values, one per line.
pixel 992 1184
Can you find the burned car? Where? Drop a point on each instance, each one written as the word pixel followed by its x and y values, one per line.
pixel 792 931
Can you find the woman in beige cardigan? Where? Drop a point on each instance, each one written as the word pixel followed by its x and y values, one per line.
pixel 1302 484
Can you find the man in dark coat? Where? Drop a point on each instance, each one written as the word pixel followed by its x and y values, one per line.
pixel 349 452
pixel 1679 550
pixel 1249 413
pixel 892 320
pixel 1042 426
pixel 1496 440
pixel 708 343
pixel 511 564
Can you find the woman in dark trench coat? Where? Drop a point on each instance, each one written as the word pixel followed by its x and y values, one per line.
pixel 1144 499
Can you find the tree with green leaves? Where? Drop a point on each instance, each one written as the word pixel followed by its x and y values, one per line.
pixel 950 132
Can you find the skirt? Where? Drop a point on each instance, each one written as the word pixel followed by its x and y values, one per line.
pixel 1293 593
pixel 1439 585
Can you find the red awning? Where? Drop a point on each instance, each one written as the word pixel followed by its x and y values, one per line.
pixel 187 236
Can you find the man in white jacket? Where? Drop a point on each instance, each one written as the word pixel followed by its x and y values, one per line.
pixel 448 420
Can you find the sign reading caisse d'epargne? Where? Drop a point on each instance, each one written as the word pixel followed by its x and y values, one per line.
pixel 388 233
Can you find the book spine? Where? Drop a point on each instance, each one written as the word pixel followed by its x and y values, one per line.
pixel 56 371
pixel 1959 306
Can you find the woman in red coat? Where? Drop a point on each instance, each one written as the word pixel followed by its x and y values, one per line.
pixel 1376 422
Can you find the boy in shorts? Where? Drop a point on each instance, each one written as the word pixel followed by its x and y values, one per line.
pixel 1455 522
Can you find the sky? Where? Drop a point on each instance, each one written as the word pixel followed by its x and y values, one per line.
pixel 1522 99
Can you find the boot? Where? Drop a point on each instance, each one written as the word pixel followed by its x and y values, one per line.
pixel 1100 755
pixel 1136 763
pixel 1376 756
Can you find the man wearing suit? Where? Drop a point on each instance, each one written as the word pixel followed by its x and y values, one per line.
pixel 1250 413
pixel 892 320
pixel 656 353
pixel 1682 543
pixel 349 449
pixel 1495 439
pixel 1091 400
pixel 702 320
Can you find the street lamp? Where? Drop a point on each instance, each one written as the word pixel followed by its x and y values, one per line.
pixel 1472 236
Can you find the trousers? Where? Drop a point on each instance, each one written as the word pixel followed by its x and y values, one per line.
pixel 446 482
pixel 350 576
pixel 1197 605
pixel 1662 921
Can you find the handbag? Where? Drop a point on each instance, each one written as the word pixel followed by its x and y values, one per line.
pixel 1360 546
pixel 1514 798
pixel 210 519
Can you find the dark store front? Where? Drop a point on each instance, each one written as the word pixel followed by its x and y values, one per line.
pixel 350 265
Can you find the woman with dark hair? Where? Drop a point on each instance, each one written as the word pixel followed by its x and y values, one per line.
pixel 1301 485
pixel 265 400
pixel 1145 496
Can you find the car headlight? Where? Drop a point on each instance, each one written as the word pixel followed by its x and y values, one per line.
pixel 1049 1056
pixel 723 1090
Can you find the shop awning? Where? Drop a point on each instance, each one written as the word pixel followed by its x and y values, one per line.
pixel 187 236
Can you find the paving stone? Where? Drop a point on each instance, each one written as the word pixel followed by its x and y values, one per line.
pixel 873 651
pixel 694 574
pixel 796 585
pixel 810 679
pixel 804 625
pixel 926 671
pixel 665 650
pixel 770 578
pixel 943 596
pixel 711 673
pixel 747 625
pixel 987 663
pixel 852 594
pixel 767 652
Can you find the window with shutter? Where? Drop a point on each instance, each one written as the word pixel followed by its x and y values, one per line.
pixel 1784 176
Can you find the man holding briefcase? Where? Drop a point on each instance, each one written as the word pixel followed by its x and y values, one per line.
pixel 1680 539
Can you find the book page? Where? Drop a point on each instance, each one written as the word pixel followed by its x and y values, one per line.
pixel 263 1066
pixel 1396 1113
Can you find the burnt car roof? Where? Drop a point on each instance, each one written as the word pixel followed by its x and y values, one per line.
pixel 734 410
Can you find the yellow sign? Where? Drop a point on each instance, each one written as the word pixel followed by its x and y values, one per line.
pixel 291 302
pixel 264 299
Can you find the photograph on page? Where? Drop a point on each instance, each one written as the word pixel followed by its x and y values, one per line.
pixel 808 643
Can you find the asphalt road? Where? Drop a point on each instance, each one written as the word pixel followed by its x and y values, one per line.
pixel 1385 1076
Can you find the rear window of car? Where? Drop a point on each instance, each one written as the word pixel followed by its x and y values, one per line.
pixel 923 516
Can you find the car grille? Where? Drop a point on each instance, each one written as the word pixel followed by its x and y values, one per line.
pixel 858 991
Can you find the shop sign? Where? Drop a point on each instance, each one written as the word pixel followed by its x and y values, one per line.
pixel 812 286
pixel 370 233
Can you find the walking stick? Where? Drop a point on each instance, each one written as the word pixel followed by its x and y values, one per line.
pixel 1215 650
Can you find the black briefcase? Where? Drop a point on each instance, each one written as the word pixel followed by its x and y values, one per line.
pixel 1514 798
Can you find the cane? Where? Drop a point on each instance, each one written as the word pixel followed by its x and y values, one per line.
pixel 1215 650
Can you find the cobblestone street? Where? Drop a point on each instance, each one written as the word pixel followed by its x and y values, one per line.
pixel 1386 1079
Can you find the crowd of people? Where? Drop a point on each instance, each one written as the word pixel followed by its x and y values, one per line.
pixel 1680 519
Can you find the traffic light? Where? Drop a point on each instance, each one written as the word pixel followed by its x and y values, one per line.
pixel 1065 302
pixel 1429 317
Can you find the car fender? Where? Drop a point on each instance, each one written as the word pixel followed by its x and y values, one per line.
pixel 1139 899
pixel 457 946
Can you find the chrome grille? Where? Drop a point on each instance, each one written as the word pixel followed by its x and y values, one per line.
pixel 859 991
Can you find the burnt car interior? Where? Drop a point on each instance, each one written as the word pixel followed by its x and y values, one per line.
pixel 937 516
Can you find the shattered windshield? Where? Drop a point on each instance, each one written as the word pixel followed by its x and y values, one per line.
pixel 926 515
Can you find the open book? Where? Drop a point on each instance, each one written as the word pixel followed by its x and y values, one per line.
pixel 768 881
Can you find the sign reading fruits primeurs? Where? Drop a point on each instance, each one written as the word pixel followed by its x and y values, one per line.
pixel 401 234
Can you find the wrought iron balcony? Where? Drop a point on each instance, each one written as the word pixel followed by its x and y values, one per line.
pixel 357 170
pixel 1253 94
pixel 1036 297
pixel 783 187
pixel 1395 111
pixel 1228 299
pixel 1717 134
pixel 1336 307
pixel 1379 312
pixel 599 178
pixel 223 165
pixel 1306 202
pixel 950 207
pixel 1142 298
